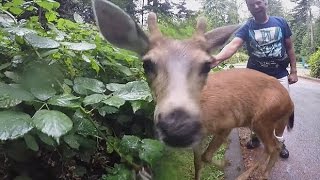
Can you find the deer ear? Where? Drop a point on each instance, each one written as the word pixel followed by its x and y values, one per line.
pixel 217 37
pixel 119 28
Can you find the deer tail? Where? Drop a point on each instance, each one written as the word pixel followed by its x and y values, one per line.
pixel 291 122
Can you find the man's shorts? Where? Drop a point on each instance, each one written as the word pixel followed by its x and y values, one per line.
pixel 285 82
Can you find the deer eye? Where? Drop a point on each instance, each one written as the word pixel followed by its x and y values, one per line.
pixel 149 67
pixel 205 68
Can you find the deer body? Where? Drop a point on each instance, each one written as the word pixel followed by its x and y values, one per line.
pixel 235 97
pixel 244 98
pixel 192 103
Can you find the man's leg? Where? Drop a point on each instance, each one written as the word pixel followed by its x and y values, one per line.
pixel 284 153
pixel 254 142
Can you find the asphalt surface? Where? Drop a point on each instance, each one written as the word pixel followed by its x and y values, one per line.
pixel 303 142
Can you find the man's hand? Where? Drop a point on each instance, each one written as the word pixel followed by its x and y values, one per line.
pixel 293 77
pixel 214 62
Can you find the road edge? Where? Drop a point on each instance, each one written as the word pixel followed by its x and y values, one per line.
pixel 234 156
pixel 310 78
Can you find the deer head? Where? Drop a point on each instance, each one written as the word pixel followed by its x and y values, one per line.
pixel 176 69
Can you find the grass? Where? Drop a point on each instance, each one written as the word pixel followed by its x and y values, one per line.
pixel 177 164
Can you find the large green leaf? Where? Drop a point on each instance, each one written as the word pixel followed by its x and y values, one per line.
pixel 48 4
pixel 43 93
pixel 52 123
pixel 83 46
pixel 12 75
pixel 11 96
pixel 125 70
pixel 129 144
pixel 41 42
pixel 151 151
pixel 6 102
pixel 115 101
pixel 65 100
pixel 14 124
pixel 19 31
pixel 107 110
pixel 87 86
pixel 83 125
pixel 77 18
pixel 71 140
pixel 136 90
pixel 94 98
pixel 6 20
pixel 136 105
pixel 115 87
pixel 46 139
pixel 31 142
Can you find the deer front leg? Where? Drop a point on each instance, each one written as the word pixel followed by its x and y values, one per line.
pixel 197 161
pixel 213 146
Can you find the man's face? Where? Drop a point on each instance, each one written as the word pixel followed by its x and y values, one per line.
pixel 256 6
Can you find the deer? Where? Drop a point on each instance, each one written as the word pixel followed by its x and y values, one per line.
pixel 192 102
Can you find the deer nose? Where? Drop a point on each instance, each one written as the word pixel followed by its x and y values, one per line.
pixel 179 129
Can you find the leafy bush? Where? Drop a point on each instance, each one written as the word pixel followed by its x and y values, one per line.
pixel 314 63
pixel 69 97
pixel 237 58
pixel 176 28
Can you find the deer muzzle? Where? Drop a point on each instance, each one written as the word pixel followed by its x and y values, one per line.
pixel 178 128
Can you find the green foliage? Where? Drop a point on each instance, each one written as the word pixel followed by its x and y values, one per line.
pixel 275 8
pixel 237 58
pixel 221 12
pixel 177 28
pixel 65 91
pixel 14 124
pixel 66 88
pixel 166 168
pixel 314 63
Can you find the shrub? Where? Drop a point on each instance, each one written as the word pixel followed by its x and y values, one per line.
pixel 238 58
pixel 314 63
pixel 66 92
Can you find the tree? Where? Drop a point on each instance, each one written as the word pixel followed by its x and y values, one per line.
pixel 128 5
pixel 317 33
pixel 275 8
pixel 183 12
pixel 221 12
pixel 303 16
pixel 157 6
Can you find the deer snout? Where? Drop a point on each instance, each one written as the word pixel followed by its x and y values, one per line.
pixel 179 128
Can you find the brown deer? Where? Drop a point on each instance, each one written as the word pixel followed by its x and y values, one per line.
pixel 192 103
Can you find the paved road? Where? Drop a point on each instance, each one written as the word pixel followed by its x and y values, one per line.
pixel 304 141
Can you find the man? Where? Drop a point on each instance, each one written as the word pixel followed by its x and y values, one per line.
pixel 270 51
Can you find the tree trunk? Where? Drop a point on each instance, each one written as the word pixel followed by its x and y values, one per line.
pixel 311 32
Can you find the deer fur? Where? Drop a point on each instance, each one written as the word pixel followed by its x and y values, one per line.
pixel 192 103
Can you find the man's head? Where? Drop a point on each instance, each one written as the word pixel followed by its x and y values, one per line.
pixel 257 7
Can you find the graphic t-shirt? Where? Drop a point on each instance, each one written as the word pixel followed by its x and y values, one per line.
pixel 266 45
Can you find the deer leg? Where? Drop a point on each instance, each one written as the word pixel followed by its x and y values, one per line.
pixel 213 147
pixel 272 148
pixel 273 159
pixel 197 161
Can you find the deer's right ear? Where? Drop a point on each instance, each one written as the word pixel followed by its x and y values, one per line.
pixel 119 28
pixel 217 37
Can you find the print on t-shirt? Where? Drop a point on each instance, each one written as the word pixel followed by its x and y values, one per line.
pixel 266 43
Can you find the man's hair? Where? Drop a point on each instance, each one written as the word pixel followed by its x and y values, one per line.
pixel 266 1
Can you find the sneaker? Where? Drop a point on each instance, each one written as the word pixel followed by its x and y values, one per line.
pixel 284 153
pixel 253 143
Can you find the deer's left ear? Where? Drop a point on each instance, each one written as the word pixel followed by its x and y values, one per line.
pixel 217 37
pixel 119 28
